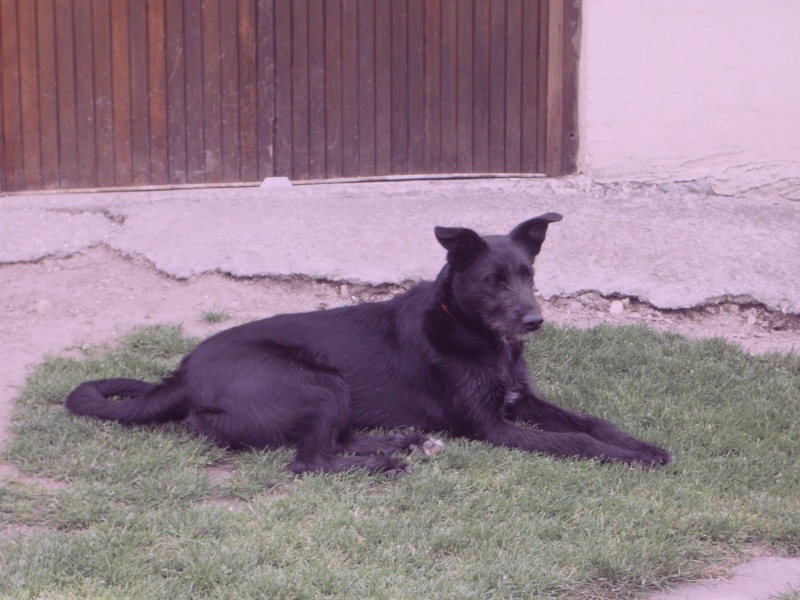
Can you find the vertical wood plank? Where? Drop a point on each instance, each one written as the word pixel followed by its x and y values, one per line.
pixel 29 97
pixel 465 87
pixel 193 49
pixel 513 87
pixel 449 105
pixel 140 111
pixel 432 49
pixel 555 89
pixel 383 88
pixel 316 89
pixel 67 114
pixel 333 89
pixel 530 86
pixel 399 140
pixel 248 91
pixel 283 88
pixel 229 72
pixel 481 87
pixel 416 86
pixel 84 96
pixel 11 116
pixel 497 87
pixel 299 75
pixel 266 87
pixel 176 91
pixel 366 87
pixel 121 92
pixel 103 93
pixel 541 116
pixel 212 91
pixel 48 92
pixel 350 86
pixel 569 133
pixel 2 128
pixel 157 91
pixel 2 116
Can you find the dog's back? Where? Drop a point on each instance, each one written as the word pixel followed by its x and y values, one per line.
pixel 380 350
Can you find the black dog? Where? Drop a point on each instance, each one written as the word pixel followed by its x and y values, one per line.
pixel 445 356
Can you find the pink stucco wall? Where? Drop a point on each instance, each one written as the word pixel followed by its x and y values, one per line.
pixel 688 89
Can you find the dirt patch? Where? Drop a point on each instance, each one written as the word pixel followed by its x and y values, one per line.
pixel 12 473
pixel 738 320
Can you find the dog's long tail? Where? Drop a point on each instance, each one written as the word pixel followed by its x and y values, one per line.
pixel 144 402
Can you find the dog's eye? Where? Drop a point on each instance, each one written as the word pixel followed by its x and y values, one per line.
pixel 495 279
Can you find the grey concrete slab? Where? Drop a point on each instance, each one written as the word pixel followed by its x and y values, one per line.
pixel 673 248
pixel 762 579
pixel 29 234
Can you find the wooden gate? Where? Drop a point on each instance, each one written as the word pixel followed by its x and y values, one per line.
pixel 125 93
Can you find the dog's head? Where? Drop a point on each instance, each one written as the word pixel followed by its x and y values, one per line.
pixel 490 278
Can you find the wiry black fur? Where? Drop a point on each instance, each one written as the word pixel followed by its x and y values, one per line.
pixel 445 356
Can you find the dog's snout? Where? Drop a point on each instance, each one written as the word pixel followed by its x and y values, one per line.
pixel 532 321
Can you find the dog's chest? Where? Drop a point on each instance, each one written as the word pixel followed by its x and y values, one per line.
pixel 489 377
pixel 506 384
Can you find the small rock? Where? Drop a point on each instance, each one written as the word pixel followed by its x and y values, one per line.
pixel 275 183
pixel 751 320
pixel 587 300
pixel 327 305
pixel 617 307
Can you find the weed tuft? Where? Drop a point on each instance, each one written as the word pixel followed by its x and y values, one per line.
pixel 215 315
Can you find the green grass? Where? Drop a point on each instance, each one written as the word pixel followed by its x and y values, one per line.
pixel 142 517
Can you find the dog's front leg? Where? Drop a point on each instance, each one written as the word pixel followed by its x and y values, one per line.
pixel 528 407
pixel 564 444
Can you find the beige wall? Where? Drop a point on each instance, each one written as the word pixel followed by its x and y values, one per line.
pixel 690 89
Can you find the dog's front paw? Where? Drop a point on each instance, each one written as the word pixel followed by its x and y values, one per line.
pixel 644 453
pixel 653 457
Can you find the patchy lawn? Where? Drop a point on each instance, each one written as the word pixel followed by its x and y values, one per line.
pixel 156 512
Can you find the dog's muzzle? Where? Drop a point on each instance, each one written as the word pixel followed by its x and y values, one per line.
pixel 532 322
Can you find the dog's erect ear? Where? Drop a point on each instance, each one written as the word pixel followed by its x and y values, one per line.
pixel 531 233
pixel 462 245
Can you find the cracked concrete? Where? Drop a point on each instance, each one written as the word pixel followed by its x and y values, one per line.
pixel 80 269
pixel 673 249
pixel 30 234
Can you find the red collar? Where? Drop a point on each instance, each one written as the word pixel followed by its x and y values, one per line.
pixel 446 309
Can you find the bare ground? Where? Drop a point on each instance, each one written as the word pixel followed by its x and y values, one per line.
pixel 62 304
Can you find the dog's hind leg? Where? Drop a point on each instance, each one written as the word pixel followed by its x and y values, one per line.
pixel 351 442
pixel 320 429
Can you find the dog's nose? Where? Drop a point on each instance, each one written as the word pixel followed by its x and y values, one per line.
pixel 532 322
